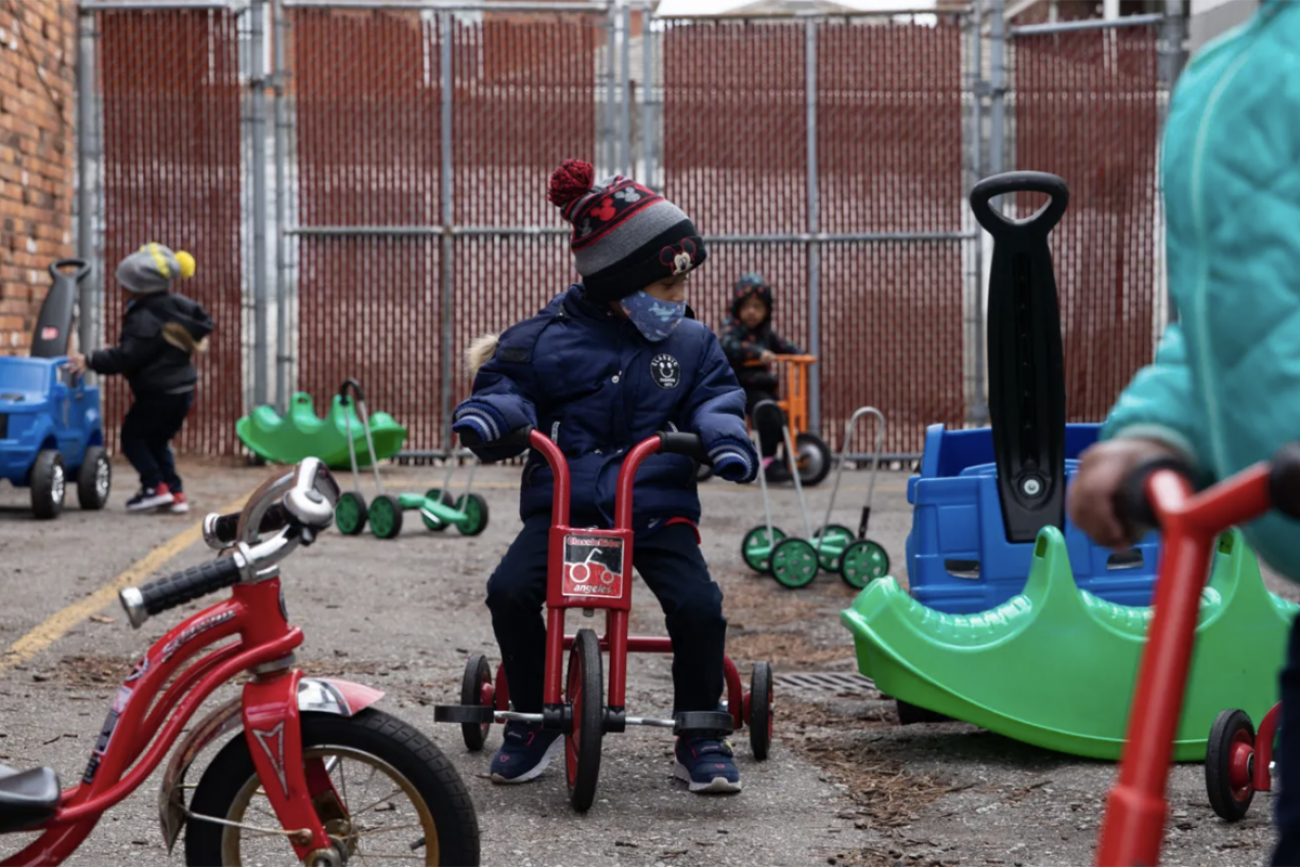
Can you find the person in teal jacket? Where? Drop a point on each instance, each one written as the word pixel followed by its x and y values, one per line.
pixel 1223 391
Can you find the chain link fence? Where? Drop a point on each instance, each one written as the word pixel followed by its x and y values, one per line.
pixel 398 170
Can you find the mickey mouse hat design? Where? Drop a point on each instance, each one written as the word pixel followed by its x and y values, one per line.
pixel 625 236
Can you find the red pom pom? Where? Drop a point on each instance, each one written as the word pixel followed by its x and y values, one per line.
pixel 570 182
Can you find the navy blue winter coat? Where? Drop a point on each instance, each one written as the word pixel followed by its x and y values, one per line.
pixel 586 378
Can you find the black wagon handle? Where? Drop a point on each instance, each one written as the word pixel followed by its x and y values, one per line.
pixel 1040 222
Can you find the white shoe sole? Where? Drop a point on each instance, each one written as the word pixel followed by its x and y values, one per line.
pixel 176 508
pixel 150 503
pixel 720 785
pixel 535 771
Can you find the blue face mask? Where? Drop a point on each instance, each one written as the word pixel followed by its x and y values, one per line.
pixel 654 318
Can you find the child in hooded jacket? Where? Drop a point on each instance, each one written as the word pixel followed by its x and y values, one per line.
pixel 615 359
pixel 161 333
pixel 747 338
pixel 1223 391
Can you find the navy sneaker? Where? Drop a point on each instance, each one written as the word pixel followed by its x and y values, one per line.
pixel 706 764
pixel 525 752
pixel 150 498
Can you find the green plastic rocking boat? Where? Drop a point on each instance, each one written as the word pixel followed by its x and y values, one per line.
pixel 300 434
pixel 1055 665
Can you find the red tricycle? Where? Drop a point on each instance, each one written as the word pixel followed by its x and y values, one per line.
pixel 282 783
pixel 1238 761
pixel 592 569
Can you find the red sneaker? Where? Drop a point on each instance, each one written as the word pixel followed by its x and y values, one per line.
pixel 150 498
pixel 178 506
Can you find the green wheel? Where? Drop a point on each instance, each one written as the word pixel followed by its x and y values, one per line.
pixel 756 547
pixel 438 495
pixel 385 517
pixel 350 514
pixel 794 563
pixel 841 537
pixel 863 562
pixel 475 509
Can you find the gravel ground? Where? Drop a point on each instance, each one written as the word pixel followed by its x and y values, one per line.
pixel 845 784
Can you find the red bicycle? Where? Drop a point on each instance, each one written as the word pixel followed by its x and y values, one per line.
pixel 592 569
pixel 286 781
pixel 1159 494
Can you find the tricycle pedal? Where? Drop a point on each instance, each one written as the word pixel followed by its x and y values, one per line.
pixel 701 722
pixel 463 713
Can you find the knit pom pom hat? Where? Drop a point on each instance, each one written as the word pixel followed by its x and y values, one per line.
pixel 152 268
pixel 625 236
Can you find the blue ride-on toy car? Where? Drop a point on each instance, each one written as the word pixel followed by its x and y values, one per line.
pixel 51 430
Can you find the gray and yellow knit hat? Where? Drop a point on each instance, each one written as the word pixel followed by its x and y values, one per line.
pixel 625 236
pixel 152 268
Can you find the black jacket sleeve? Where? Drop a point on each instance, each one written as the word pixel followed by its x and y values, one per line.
pixel 140 341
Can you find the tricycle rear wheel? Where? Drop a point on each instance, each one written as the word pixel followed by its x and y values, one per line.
pixel 385 517
pixel 863 562
pixel 758 707
pixel 94 479
pixel 350 514
pixel 48 484
pixel 1228 763
pixel 476 689
pixel 475 510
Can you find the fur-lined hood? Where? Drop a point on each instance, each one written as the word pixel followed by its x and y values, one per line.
pixel 480 352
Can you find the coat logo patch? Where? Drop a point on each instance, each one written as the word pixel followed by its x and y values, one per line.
pixel 666 371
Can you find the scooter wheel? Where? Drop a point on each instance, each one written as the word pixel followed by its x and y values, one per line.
pixel 1229 760
pixel 839 536
pixel 756 547
pixel 385 517
pixel 583 692
pixel 794 563
pixel 758 710
pixel 813 458
pixel 475 510
pixel 476 689
pixel 350 514
pixel 863 562
pixel 438 495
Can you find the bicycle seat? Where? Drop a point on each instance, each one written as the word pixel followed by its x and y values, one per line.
pixel 27 797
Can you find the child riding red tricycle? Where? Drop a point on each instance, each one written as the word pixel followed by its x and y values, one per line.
pixel 591 569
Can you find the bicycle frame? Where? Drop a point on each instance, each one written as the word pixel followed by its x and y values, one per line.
pixel 617 603
pixel 146 718
pixel 1136 809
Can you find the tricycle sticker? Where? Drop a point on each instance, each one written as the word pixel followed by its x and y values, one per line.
pixel 593 566
pixel 120 701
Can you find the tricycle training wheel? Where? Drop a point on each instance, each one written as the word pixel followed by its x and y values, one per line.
pixel 350 514
pixel 386 517
pixel 756 548
pixel 812 457
pixel 94 479
pixel 438 495
pixel 475 510
pixel 794 563
pixel 863 562
pixel 1229 755
pixel 839 536
pixel 758 710
pixel 48 484
pixel 476 689
pixel 583 693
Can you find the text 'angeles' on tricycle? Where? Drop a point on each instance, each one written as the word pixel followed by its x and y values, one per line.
pixel 590 569
pixel 1159 494
pixel 285 781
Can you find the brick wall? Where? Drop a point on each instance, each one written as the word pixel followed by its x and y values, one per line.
pixel 37 154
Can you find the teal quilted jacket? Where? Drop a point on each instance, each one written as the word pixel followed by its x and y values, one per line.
pixel 1225 383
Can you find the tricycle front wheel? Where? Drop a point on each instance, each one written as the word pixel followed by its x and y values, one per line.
pixel 583 692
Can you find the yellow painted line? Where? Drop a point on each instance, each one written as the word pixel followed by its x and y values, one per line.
pixel 57 624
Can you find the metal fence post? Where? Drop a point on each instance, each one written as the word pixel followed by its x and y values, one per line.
pixel 814 226
pixel 283 355
pixel 89 314
pixel 447 263
pixel 979 409
pixel 997 87
pixel 257 160
pixel 609 139
pixel 625 96
pixel 647 91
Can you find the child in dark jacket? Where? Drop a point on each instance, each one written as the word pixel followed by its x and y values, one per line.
pixel 161 332
pixel 613 360
pixel 747 338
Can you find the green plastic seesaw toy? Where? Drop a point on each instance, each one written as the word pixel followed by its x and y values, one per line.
pixel 301 434
pixel 1055 665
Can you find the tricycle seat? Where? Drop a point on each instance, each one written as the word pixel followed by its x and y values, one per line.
pixel 27 797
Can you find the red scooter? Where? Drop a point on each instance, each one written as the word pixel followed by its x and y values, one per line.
pixel 592 569
pixel 283 783
pixel 1159 494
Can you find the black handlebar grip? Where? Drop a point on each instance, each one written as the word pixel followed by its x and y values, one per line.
pixel 680 443
pixel 1284 480
pixel 165 593
pixel 227 526
pixel 1132 507
pixel 356 389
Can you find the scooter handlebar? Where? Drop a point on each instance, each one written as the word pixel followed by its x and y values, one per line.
pixel 1284 479
pixel 1132 506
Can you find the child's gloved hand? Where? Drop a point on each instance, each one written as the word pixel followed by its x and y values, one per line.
pixel 474 429
pixel 1090 499
pixel 733 462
